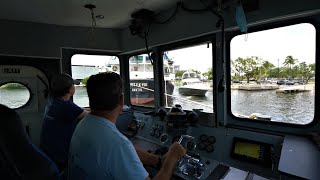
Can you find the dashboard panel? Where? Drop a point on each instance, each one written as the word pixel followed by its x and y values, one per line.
pixel 209 149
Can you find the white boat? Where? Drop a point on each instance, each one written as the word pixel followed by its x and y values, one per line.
pixel 191 85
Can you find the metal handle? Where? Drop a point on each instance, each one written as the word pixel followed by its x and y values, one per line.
pixel 185 136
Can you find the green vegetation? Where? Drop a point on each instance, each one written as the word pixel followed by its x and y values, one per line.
pixel 208 74
pixel 12 86
pixel 179 73
pixel 177 83
pixel 257 68
pixel 84 81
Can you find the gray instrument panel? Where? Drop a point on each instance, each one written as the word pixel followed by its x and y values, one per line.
pixel 155 132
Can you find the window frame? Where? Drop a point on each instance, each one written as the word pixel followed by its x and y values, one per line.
pixel 140 107
pixel 237 121
pixel 209 117
pixel 68 53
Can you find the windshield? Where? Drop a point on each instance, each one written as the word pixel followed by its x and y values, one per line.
pixel 190 84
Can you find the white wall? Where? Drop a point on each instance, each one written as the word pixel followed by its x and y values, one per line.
pixel 34 39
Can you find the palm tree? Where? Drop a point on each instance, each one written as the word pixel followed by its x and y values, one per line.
pixel 290 61
pixel 266 67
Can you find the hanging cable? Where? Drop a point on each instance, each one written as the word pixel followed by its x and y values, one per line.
pixel 211 10
pixel 91 7
pixel 146 33
pixel 93 19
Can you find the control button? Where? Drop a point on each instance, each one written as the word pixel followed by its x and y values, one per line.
pixel 160 127
pixel 155 126
pixel 152 133
pixel 164 138
pixel 201 146
pixel 203 137
pixel 191 145
pixel 209 148
pixel 157 134
pixel 212 139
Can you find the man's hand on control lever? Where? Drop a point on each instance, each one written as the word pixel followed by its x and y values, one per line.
pixel 175 152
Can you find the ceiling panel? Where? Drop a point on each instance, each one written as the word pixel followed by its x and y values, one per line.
pixel 72 13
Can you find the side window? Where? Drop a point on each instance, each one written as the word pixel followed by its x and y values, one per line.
pixel 83 66
pixel 273 74
pixel 14 95
pixel 188 77
pixel 141 81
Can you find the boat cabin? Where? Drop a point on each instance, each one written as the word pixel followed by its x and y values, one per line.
pixel 151 44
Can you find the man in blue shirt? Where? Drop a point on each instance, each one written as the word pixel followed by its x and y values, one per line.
pixel 60 119
pixel 99 151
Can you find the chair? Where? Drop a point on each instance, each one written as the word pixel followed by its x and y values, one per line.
pixel 19 158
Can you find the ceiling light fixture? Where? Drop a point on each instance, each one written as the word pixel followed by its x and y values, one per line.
pixel 93 18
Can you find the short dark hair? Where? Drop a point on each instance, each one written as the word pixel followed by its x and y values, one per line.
pixel 60 84
pixel 104 91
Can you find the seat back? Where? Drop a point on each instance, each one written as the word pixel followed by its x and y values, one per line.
pixel 22 159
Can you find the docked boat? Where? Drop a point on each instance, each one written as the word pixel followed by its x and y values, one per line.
pixel 142 81
pixel 191 85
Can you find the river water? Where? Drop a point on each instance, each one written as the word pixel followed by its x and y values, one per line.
pixel 292 108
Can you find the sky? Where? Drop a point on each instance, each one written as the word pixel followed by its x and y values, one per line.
pixel 296 40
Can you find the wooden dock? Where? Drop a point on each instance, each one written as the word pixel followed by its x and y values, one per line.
pixel 254 87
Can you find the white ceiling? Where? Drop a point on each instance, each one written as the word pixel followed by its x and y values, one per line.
pixel 72 13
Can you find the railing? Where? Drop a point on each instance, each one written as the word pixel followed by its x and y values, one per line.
pixel 182 99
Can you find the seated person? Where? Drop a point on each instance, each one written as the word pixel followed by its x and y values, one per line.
pixel 99 151
pixel 60 119
pixel 19 158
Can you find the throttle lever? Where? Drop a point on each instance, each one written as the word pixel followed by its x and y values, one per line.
pixel 180 141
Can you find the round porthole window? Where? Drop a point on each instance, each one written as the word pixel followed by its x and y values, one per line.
pixel 14 95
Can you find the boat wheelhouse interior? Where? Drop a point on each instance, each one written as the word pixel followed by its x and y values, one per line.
pixel 257 59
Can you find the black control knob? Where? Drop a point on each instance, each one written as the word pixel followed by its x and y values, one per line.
pixel 203 137
pixel 191 145
pixel 164 138
pixel 155 126
pixel 162 112
pixel 152 133
pixel 209 148
pixel 160 127
pixel 201 146
pixel 193 117
pixel 157 134
pixel 212 139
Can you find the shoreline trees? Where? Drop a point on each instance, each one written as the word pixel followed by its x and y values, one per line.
pixel 256 68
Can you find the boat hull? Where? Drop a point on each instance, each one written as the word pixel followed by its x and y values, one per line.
pixel 142 92
pixel 192 91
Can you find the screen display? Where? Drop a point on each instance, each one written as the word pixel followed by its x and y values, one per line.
pixel 247 149
pixel 251 151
